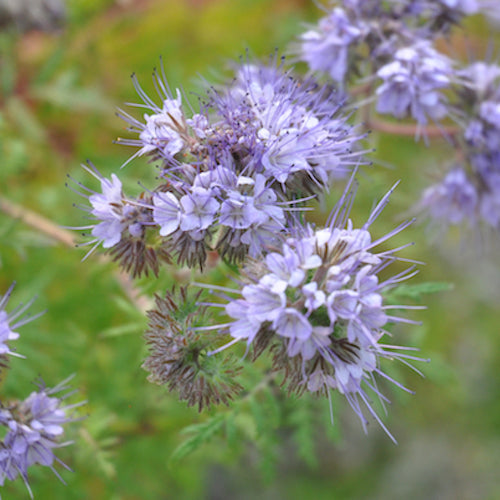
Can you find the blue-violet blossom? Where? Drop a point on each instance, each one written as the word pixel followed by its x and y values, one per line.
pixel 412 83
pixel 319 301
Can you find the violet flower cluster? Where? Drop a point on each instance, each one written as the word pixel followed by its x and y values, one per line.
pixel 317 303
pixel 398 36
pixel 470 191
pixel 234 179
pixel 229 175
pixel 34 427
pixel 409 78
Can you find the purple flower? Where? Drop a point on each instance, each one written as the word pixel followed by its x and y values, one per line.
pixel 199 208
pixel 229 174
pixel 266 299
pixel 452 200
pixel 166 212
pixel 489 113
pixel 489 209
pixel 167 131
pixel 292 324
pixel 34 429
pixel 160 135
pixel 117 217
pixel 319 298
pixel 287 130
pixel 11 321
pixel 239 210
pixel 108 208
pixel 412 83
pixel 251 214
pixel 123 225
pixel 480 96
pixel 326 48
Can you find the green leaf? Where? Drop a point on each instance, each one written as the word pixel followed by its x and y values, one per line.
pixel 415 292
pixel 126 329
pixel 65 92
pixel 20 114
pixel 302 419
pixel 202 433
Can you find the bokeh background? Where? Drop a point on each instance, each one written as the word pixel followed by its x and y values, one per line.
pixel 58 94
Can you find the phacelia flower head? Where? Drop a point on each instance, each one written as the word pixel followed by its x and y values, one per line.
pixel 452 200
pixel 178 353
pixel 326 48
pixel 35 427
pixel 318 301
pixel 167 131
pixel 229 175
pixel 122 225
pixel 477 188
pixel 413 83
pixel 290 131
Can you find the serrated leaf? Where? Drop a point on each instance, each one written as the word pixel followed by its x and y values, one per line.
pixel 126 329
pixel 416 291
pixel 63 91
pixel 301 418
pixel 231 430
pixel 202 433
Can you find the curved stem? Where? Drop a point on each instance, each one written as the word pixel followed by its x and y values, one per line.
pixel 409 129
pixel 56 233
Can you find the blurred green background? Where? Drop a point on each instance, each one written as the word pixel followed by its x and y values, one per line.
pixel 59 92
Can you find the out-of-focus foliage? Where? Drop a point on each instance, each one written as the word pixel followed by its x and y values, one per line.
pixel 58 95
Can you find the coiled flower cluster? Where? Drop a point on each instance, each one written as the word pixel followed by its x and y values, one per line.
pixel 229 175
pixel 178 354
pixel 408 77
pixel 234 180
pixel 317 303
pixel 470 190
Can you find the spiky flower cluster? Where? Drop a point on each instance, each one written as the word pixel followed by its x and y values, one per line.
pixel 412 79
pixel 318 304
pixel 34 429
pixel 229 175
pixel 232 177
pixel 33 426
pixel 398 37
pixel 178 353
